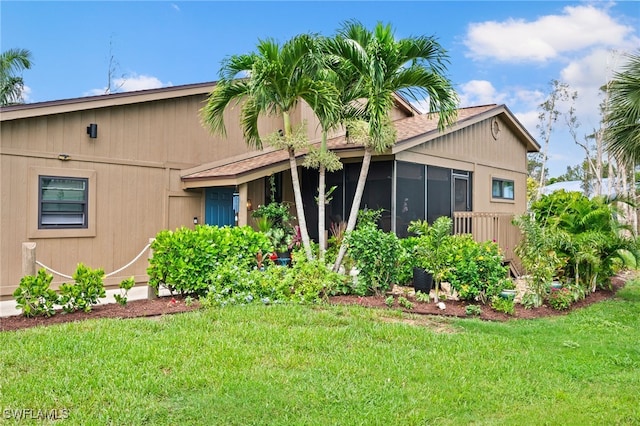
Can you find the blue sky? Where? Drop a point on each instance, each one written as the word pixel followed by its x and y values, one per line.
pixel 501 52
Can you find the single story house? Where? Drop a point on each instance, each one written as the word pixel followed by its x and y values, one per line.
pixel 92 179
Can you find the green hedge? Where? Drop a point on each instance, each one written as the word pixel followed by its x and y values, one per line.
pixel 187 260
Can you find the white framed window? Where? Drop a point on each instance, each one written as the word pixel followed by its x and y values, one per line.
pixel 502 189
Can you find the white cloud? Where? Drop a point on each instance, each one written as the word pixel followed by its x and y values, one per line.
pixel 175 7
pixel 548 37
pixel 529 119
pixel 479 92
pixel 130 84
pixel 25 95
pixel 137 82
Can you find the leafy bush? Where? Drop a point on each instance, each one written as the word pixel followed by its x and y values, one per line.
pixel 406 260
pixel 589 236
pixel 475 270
pixel 376 255
pixel 305 282
pixel 125 286
pixel 276 214
pixel 311 280
pixel 84 292
pixel 405 303
pixel 33 295
pixel 503 305
pixel 233 285
pixel 472 310
pixel 538 252
pixel 422 297
pixel 432 248
pixel 560 298
pixel 187 261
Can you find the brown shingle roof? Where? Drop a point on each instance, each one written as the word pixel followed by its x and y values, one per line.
pixel 408 129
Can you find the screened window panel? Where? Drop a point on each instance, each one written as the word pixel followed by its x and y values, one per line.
pixel 410 195
pixel 438 193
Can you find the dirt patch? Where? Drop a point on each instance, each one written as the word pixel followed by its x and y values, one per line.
pixel 433 324
pixel 165 306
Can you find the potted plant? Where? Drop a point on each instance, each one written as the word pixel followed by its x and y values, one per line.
pixel 422 279
pixel 279 240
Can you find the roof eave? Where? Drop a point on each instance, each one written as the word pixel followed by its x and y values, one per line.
pixel 16 112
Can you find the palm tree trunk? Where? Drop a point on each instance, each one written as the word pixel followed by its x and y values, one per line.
pixel 321 210
pixel 302 222
pixel 297 193
pixel 355 206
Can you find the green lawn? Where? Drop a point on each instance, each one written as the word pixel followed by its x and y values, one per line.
pixel 330 365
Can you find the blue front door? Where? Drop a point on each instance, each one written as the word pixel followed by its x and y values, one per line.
pixel 219 207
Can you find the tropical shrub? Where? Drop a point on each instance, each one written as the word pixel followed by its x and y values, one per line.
pixel 312 280
pixel 407 260
pixel 472 310
pixel 538 252
pixel 433 246
pixel 503 305
pixel 375 253
pixel 560 298
pixel 277 214
pixel 476 270
pixel 589 236
pixel 84 292
pixel 305 282
pixel 125 286
pixel 187 261
pixel 33 295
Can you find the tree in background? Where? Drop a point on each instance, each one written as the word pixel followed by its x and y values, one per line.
pixel 380 66
pixel 548 115
pixel 12 63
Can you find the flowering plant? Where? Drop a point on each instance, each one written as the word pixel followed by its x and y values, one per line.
pixel 560 298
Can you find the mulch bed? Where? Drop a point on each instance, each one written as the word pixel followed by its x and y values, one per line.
pixel 454 308
pixel 169 305
pixel 133 309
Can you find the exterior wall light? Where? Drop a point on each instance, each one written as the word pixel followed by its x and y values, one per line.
pixel 92 130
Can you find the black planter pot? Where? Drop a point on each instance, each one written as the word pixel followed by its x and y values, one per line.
pixel 422 280
pixel 284 258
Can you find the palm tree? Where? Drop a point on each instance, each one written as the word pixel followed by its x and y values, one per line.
pixel 380 66
pixel 271 81
pixel 335 75
pixel 622 118
pixel 12 62
pixel 323 159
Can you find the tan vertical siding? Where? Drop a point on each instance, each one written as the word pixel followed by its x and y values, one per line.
pixel 138 191
pixel 475 149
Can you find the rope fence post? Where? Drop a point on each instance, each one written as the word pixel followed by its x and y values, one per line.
pixel 28 259
pixel 151 292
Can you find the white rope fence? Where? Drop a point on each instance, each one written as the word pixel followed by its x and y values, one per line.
pixel 53 271
pixel 107 275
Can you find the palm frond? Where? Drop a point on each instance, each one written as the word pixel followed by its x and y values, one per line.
pixel 223 94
